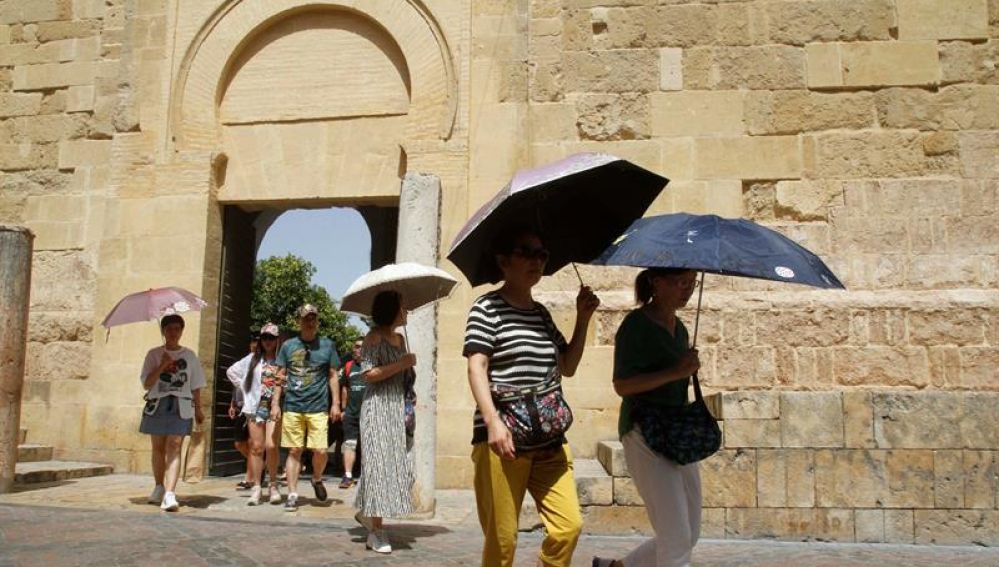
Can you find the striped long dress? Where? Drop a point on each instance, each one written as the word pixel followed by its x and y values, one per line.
pixel 386 465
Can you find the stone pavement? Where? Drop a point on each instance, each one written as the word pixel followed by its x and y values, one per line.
pixel 105 521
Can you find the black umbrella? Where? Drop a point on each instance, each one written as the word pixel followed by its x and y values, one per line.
pixel 578 205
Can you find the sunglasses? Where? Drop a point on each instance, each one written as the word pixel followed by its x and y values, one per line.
pixel 532 253
pixel 268 338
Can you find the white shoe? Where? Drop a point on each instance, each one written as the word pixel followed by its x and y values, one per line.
pixel 274 494
pixel 378 542
pixel 169 503
pixel 254 496
pixel 157 496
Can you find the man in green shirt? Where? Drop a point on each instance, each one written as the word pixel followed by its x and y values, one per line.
pixel 308 384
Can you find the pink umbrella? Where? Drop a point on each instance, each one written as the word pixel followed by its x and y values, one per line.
pixel 152 304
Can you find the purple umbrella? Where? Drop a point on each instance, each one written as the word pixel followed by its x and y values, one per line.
pixel 152 304
pixel 579 205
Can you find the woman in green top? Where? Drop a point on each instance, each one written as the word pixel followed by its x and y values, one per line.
pixel 653 362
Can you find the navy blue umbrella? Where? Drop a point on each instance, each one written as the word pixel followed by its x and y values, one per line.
pixel 709 243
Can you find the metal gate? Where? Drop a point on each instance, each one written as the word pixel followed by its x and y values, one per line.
pixel 235 297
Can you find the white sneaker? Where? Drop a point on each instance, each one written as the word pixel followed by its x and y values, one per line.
pixel 169 503
pixel 378 542
pixel 291 504
pixel 254 496
pixel 157 496
pixel 274 494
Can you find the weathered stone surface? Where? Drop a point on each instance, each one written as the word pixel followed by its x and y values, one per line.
pixel 611 456
pixel 946 327
pixel 817 327
pixel 26 155
pixel 901 420
pixel 962 61
pixel 752 433
pixel 750 405
pixel 626 493
pixel 620 520
pixel 45 128
pixel 771 478
pixel 57 361
pixel 757 67
pixel 948 479
pixel 921 19
pixel 811 419
pixel 621 70
pixel 694 113
pixel 978 366
pixel 671 69
pixel 68 279
pixel 34 11
pixel 744 367
pixel 899 526
pixel 74 154
pixel 858 420
pixel 978 154
pixel 682 26
pixel 873 479
pixel 613 116
pixel 728 479
pixel 870 526
pixel 799 23
pixel 790 524
pixel 980 479
pixel 793 111
pixel 957 107
pixel 594 486
pixel 763 157
pixel 18 104
pixel 949 527
pixel 876 154
pixel 801 469
pixel 873 64
pixel 52 327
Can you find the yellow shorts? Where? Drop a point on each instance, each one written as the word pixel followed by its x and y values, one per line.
pixel 304 430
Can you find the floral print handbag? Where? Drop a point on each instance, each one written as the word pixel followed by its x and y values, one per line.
pixel 538 416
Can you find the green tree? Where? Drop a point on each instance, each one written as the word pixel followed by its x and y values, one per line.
pixel 281 284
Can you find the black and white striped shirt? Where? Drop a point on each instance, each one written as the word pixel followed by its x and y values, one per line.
pixel 522 345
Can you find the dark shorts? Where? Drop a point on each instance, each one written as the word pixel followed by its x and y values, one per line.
pixel 351 428
pixel 242 429
pixel 162 417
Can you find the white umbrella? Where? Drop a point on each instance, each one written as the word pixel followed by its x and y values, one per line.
pixel 418 285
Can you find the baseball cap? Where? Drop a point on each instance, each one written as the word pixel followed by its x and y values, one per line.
pixel 307 309
pixel 270 329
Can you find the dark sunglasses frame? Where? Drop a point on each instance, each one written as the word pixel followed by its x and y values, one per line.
pixel 532 253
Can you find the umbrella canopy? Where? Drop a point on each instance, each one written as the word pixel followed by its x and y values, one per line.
pixel 709 243
pixel 418 285
pixel 152 304
pixel 578 205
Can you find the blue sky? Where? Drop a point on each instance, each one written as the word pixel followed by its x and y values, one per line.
pixel 336 241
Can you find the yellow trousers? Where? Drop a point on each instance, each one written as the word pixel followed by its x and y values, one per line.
pixel 499 493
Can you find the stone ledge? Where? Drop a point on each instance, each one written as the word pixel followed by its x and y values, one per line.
pixel 52 471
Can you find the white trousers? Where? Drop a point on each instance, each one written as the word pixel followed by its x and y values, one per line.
pixel 672 495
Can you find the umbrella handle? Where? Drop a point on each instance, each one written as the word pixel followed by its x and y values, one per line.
pixel 697 316
pixel 577 273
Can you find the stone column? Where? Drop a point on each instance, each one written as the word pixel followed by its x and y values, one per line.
pixel 419 241
pixel 15 289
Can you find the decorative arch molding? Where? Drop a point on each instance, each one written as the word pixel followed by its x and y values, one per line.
pixel 203 71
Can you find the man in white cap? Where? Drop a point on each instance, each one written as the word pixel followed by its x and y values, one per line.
pixel 311 399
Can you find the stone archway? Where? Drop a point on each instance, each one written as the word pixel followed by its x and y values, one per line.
pixel 248 98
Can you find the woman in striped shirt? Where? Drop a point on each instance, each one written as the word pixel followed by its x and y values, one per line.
pixel 510 339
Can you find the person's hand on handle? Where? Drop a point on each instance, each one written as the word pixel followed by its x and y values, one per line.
pixel 586 302
pixel 232 411
pixel 690 362
pixel 408 360
pixel 500 439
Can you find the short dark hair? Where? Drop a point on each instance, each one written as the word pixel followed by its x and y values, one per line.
pixel 171 319
pixel 385 307
pixel 506 239
pixel 643 281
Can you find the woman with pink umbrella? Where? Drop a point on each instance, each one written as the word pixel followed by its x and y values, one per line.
pixel 173 379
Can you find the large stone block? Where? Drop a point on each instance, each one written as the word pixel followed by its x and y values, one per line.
pixel 955 527
pixel 671 69
pixel 873 64
pixel 790 112
pixel 34 11
pixel 858 420
pixel 943 271
pixel 728 479
pixel 924 420
pixel 978 154
pixel 948 479
pixel 594 486
pixel 790 524
pixel 771 67
pixel 744 367
pixel 899 526
pixel 862 478
pixel 25 155
pixel 611 456
pixel 980 479
pixel 801 470
pixel 621 28
pixel 620 70
pixel 616 520
pixel 54 75
pixel 750 405
pixel 870 526
pixel 682 26
pixel 817 327
pixel 765 157
pixel 45 128
pixel 811 419
pixel 924 19
pixel 612 117
pixel 870 154
pixel 947 327
pixel 695 113
pixel 799 23
pixel 626 493
pixel 751 433
pixel 957 107
pixel 73 154
pixel 962 61
pixel 771 478
pixel 979 367
pixel 980 419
